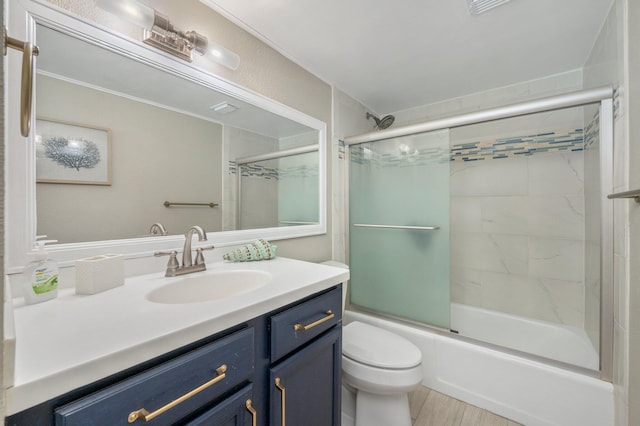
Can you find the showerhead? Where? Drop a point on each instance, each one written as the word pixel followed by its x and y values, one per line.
pixel 383 123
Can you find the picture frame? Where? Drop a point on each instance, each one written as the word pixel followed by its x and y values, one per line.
pixel 72 153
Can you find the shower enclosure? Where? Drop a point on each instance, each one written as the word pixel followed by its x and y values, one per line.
pixel 289 176
pixel 493 226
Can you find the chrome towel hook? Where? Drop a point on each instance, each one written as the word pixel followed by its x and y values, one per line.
pixel 29 50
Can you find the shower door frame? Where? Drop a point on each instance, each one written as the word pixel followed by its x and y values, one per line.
pixel 602 96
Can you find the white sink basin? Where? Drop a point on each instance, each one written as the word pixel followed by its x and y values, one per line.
pixel 209 285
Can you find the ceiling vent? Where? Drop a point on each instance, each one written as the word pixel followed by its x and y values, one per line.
pixel 223 108
pixel 476 7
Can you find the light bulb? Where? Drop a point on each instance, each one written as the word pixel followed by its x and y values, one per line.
pixel 129 10
pixel 223 56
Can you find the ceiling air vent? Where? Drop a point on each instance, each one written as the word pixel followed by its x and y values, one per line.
pixel 223 108
pixel 476 7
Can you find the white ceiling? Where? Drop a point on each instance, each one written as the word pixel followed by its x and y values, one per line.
pixel 394 55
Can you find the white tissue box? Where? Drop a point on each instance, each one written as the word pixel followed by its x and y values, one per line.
pixel 99 273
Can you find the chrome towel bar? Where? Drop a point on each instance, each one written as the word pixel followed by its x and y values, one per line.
pixel 413 228
pixel 635 194
pixel 171 203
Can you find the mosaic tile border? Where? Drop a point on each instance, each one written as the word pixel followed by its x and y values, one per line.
pixel 592 131
pixel 553 141
pixel 568 140
pixel 272 173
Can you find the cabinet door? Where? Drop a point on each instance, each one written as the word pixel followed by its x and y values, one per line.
pixel 305 387
pixel 233 411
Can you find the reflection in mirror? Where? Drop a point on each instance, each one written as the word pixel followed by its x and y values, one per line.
pixel 163 138
pixel 289 176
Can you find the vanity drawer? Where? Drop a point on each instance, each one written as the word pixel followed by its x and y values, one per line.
pixel 193 380
pixel 301 323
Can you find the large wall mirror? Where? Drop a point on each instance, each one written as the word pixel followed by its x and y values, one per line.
pixel 125 138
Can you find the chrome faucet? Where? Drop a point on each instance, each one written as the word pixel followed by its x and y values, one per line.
pixel 158 229
pixel 186 252
pixel 174 269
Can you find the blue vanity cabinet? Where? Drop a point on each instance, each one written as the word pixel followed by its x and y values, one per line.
pixel 305 387
pixel 300 324
pixel 305 381
pixel 298 344
pixel 169 392
pixel 236 410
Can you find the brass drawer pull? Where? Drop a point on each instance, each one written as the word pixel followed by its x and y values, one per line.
pixel 283 399
pixel 300 327
pixel 254 414
pixel 146 416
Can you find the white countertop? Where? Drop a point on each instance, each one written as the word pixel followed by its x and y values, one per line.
pixel 74 340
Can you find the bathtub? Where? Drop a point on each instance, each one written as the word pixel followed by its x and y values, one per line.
pixel 524 390
pixel 546 339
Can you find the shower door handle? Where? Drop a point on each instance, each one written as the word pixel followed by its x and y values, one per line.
pixel 412 228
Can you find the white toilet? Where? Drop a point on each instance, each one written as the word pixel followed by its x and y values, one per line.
pixel 382 368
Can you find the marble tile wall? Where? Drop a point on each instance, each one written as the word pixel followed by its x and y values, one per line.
pixel 517 235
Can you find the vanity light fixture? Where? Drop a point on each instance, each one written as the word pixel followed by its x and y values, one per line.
pixel 476 7
pixel 161 34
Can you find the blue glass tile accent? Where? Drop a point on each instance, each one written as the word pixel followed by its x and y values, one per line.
pixel 570 140
pixel 520 145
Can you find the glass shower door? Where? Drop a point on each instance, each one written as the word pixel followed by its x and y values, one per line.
pixel 399 227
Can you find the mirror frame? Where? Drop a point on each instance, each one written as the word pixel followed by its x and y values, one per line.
pixel 20 200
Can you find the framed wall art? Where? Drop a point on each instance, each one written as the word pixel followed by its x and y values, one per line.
pixel 72 153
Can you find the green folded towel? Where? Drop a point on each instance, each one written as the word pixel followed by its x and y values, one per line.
pixel 257 250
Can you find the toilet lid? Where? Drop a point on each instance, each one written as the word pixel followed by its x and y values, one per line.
pixel 377 347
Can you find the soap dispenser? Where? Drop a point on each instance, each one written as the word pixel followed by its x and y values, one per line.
pixel 41 275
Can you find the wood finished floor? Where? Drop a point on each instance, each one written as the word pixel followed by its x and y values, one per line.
pixel 430 408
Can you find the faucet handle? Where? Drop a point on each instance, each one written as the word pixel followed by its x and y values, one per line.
pixel 200 256
pixel 173 259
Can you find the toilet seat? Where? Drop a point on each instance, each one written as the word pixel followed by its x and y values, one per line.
pixel 380 381
pixel 375 347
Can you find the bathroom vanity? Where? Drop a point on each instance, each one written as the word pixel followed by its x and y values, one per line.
pixel 264 356
pixel 167 350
